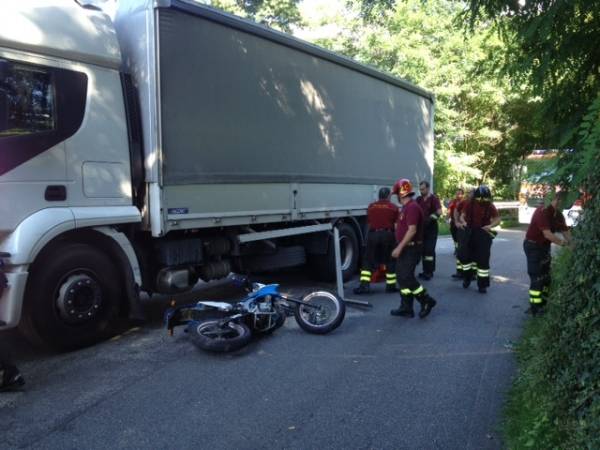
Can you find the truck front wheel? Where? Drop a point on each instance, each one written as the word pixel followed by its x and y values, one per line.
pixel 72 297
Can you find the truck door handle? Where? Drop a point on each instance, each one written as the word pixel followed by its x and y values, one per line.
pixel 55 193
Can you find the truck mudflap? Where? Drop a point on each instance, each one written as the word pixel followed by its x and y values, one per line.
pixel 12 286
pixel 3 279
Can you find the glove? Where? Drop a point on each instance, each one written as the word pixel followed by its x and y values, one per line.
pixel 433 218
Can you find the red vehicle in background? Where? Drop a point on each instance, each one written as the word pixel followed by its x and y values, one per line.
pixel 540 165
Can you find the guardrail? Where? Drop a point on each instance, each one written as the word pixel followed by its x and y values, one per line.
pixel 507 205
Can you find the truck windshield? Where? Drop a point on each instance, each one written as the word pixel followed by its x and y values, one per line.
pixel 27 99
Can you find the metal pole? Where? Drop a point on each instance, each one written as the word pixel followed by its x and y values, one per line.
pixel 338 272
pixel 338 263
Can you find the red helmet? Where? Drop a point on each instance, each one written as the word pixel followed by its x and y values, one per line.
pixel 402 188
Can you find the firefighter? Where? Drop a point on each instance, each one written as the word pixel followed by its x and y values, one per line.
pixel 381 218
pixel 432 210
pixel 458 198
pixel 477 218
pixel 545 222
pixel 409 234
pixel 462 237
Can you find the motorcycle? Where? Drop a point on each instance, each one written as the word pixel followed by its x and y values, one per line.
pixel 225 327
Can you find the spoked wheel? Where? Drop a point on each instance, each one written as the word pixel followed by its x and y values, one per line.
pixel 325 313
pixel 214 336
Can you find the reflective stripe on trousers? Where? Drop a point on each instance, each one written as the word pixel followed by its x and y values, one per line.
pixel 390 278
pixel 535 297
pixel 365 276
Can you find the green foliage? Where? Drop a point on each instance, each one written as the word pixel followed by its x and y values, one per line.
pixel 553 46
pixel 279 14
pixel 555 402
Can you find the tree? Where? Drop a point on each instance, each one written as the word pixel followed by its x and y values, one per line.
pixel 553 46
pixel 282 15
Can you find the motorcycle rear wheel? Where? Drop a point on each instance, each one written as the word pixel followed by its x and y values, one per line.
pixel 211 336
pixel 327 318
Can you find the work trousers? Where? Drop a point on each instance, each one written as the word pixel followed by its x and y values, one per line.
pixel 454 234
pixel 380 245
pixel 475 255
pixel 405 271
pixel 430 235
pixel 538 269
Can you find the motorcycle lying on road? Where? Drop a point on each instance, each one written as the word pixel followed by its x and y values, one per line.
pixel 225 327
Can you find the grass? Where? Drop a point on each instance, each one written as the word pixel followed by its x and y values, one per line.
pixel 510 223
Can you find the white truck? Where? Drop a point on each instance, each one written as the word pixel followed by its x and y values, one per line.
pixel 177 143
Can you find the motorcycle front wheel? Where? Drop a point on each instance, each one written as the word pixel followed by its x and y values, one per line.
pixel 213 336
pixel 325 314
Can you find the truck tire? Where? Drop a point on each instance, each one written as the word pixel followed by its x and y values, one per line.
pixel 323 266
pixel 72 298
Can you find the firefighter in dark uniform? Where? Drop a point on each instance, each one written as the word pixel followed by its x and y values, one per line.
pixel 462 237
pixel 409 234
pixel 381 218
pixel 458 198
pixel 477 218
pixel 540 234
pixel 432 210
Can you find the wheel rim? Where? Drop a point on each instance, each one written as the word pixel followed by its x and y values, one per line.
pixel 346 252
pixel 78 298
pixel 215 331
pixel 327 312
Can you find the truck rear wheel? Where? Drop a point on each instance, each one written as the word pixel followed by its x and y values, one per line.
pixel 323 266
pixel 72 298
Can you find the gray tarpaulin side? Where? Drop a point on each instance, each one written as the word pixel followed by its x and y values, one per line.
pixel 237 107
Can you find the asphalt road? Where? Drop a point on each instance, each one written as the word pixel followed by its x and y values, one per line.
pixel 377 382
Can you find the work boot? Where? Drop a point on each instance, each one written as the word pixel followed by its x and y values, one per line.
pixel 457 275
pixel 363 288
pixel 10 378
pixel 537 310
pixel 482 290
pixel 405 309
pixel 389 288
pixel 466 281
pixel 425 276
pixel 427 304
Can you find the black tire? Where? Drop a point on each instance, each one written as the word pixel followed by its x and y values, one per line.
pixel 323 266
pixel 210 336
pixel 72 298
pixel 334 308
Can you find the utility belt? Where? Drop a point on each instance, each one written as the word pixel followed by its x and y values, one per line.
pixel 537 244
pixel 376 230
pixel 413 243
pixel 491 233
